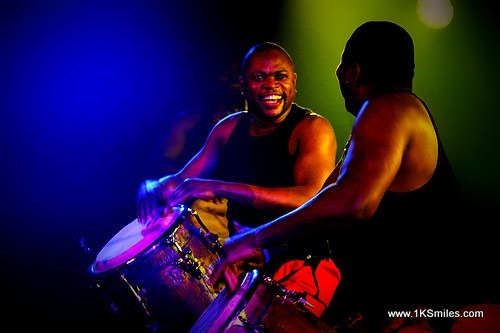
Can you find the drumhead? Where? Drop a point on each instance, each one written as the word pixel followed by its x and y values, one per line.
pixel 132 240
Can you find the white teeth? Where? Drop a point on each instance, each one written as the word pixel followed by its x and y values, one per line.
pixel 272 98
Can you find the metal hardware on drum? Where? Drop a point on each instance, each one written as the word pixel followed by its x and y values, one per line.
pixel 139 294
pixel 211 239
pixel 287 295
pixel 187 260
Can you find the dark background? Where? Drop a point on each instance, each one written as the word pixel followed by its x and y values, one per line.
pixel 88 86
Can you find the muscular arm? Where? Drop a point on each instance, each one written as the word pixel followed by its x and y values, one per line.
pixel 206 161
pixel 385 135
pixel 153 197
pixel 313 143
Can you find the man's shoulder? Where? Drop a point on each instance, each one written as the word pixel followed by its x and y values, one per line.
pixel 312 124
pixel 305 111
pixel 235 117
pixel 308 116
pixel 228 123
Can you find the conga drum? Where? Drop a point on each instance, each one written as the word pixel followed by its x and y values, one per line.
pixel 259 305
pixel 157 275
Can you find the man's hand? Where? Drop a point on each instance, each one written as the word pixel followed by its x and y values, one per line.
pixel 152 198
pixel 150 203
pixel 239 256
pixel 191 189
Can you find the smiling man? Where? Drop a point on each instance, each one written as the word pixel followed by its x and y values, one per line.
pixel 266 162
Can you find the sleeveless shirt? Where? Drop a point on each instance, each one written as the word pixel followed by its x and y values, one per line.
pixel 259 160
pixel 407 254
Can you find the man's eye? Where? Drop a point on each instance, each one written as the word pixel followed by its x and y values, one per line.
pixel 281 76
pixel 258 77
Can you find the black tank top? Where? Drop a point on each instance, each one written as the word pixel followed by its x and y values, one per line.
pixel 259 160
pixel 408 253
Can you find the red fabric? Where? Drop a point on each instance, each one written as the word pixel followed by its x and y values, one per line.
pixel 318 286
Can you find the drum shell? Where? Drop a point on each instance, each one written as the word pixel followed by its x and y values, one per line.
pixel 152 289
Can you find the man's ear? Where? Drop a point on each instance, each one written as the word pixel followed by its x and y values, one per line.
pixel 352 75
pixel 242 83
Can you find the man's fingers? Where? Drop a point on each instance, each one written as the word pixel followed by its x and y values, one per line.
pixel 218 267
pixel 229 273
pixel 231 279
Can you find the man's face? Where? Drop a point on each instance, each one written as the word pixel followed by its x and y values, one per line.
pixel 346 78
pixel 269 84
